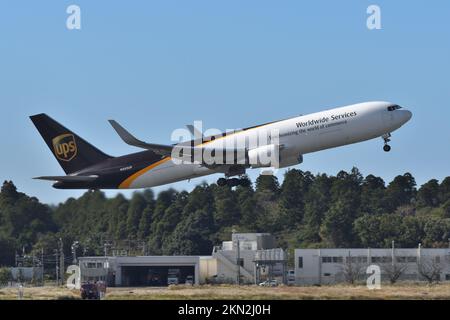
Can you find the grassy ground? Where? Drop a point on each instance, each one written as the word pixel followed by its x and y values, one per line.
pixel 399 291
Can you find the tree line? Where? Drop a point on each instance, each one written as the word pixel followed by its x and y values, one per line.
pixel 304 211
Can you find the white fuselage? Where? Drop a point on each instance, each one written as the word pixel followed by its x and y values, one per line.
pixel 297 136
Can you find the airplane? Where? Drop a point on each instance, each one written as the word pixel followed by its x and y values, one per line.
pixel 87 167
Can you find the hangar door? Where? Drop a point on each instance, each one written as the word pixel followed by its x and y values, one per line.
pixel 147 276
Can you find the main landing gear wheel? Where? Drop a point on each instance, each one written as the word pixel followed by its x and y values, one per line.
pixel 221 182
pixel 233 182
pixel 386 137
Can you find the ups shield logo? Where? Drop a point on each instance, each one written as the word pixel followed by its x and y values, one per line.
pixel 65 147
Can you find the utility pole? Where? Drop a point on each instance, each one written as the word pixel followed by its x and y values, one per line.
pixel 419 252
pixel 61 261
pixel 393 253
pixel 33 276
pixel 56 267
pixel 238 263
pixel 105 248
pixel 419 258
pixel 74 251
pixel 42 266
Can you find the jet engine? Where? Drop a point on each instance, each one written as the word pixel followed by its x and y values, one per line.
pixel 264 156
pixel 287 161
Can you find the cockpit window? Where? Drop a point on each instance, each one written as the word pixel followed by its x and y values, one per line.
pixel 393 107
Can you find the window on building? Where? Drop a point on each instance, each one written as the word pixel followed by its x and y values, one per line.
pixel 300 262
pixel 96 265
pixel 327 274
pixel 437 259
pixel 241 262
pixel 381 259
pixel 358 259
pixel 332 259
pixel 447 277
pixel 406 259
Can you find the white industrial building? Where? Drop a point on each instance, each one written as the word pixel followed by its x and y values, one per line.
pixel 138 271
pixel 255 253
pixel 328 266
pixel 253 257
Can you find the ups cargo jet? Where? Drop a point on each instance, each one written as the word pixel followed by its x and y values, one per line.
pixel 286 142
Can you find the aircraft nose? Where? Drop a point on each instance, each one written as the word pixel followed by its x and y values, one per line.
pixel 404 115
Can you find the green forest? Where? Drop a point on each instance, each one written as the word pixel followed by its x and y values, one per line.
pixel 305 210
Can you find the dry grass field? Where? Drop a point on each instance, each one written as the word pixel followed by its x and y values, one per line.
pixel 389 292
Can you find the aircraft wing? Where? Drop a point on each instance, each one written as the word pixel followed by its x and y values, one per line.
pixel 128 138
pixel 181 151
pixel 68 178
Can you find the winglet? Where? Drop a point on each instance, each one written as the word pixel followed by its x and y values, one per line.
pixel 128 138
pixel 194 131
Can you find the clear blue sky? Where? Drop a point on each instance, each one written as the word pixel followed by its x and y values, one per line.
pixel 158 65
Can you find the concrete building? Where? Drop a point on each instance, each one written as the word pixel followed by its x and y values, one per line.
pixel 255 253
pixel 139 271
pixel 328 266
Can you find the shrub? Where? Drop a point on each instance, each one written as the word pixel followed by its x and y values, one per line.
pixel 5 276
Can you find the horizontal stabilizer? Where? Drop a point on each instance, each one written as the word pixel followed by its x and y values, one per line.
pixel 68 178
pixel 128 138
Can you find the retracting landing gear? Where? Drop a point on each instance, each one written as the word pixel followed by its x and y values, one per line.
pixel 221 182
pixel 233 182
pixel 386 137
